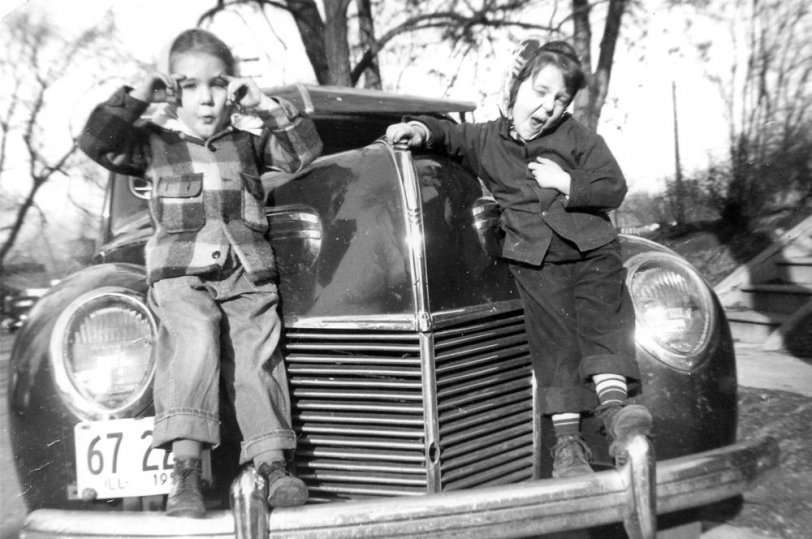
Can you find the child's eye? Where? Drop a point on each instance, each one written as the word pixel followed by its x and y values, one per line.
pixel 188 85
pixel 219 83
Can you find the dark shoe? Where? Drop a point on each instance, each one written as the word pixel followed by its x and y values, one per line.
pixel 185 499
pixel 621 422
pixel 572 457
pixel 284 490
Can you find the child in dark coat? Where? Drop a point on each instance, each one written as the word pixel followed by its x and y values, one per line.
pixel 209 264
pixel 555 181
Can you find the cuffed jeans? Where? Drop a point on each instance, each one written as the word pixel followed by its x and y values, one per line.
pixel 213 325
pixel 580 322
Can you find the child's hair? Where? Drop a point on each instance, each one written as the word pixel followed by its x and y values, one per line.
pixel 559 54
pixel 199 40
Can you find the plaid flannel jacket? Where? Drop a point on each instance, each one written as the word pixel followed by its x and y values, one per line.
pixel 207 198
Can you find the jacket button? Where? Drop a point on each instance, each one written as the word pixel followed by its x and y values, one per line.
pixel 544 213
pixel 225 220
pixel 215 255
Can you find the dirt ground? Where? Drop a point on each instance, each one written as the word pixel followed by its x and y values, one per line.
pixel 781 505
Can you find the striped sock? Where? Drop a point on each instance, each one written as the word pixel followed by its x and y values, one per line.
pixel 611 388
pixel 567 424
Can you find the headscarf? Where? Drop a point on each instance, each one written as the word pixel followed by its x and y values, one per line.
pixel 522 55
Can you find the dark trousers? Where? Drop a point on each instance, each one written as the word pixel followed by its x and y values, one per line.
pixel 580 322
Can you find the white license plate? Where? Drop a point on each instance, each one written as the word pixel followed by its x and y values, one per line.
pixel 115 459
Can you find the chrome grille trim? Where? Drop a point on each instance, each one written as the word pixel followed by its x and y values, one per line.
pixel 392 407
pixel 359 418
pixel 464 428
pixel 488 391
pixel 364 454
pixel 485 431
pixel 385 413
pixel 359 410
pixel 467 452
pixel 485 401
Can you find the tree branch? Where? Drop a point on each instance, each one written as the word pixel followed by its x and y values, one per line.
pixel 425 21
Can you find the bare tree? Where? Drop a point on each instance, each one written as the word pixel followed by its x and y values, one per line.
pixel 588 104
pixel 35 61
pixel 366 39
pixel 767 90
pixel 463 24
pixel 327 40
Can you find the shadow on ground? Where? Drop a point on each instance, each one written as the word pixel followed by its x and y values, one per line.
pixel 781 504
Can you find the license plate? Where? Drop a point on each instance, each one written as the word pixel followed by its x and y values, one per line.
pixel 115 459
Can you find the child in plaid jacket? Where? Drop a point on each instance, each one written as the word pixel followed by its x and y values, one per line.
pixel 206 141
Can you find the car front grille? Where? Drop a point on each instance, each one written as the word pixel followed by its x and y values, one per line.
pixel 366 402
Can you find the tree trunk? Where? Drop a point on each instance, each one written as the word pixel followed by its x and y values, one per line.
pixel 366 27
pixel 311 29
pixel 590 101
pixel 335 41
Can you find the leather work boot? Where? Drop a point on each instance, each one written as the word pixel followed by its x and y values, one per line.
pixel 185 499
pixel 283 489
pixel 621 422
pixel 571 456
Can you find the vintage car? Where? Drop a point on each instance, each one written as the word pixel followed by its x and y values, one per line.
pixel 15 306
pixel 413 394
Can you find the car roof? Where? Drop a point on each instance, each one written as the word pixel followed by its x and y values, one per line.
pixel 339 100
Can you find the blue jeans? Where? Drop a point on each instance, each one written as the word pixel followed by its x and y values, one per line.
pixel 214 325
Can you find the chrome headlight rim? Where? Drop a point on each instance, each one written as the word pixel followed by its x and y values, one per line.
pixel 685 362
pixel 74 399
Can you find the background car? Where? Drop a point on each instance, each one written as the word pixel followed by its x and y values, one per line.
pixel 412 388
pixel 16 304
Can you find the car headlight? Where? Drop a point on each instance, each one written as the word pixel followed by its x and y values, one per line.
pixel 673 306
pixel 102 353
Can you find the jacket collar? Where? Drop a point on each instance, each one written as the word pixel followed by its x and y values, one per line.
pixel 506 129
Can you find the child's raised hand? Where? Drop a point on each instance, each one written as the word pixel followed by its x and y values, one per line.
pixel 243 92
pixel 157 87
pixel 410 134
pixel 548 173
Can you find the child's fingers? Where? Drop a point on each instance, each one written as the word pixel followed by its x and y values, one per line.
pixel 398 133
pixel 172 83
pixel 237 88
pixel 158 87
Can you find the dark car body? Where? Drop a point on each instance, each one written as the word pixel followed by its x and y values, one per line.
pixel 412 390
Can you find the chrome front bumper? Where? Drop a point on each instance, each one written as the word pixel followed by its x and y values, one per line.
pixel 522 509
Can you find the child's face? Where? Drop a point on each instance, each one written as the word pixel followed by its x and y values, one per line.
pixel 540 102
pixel 203 92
